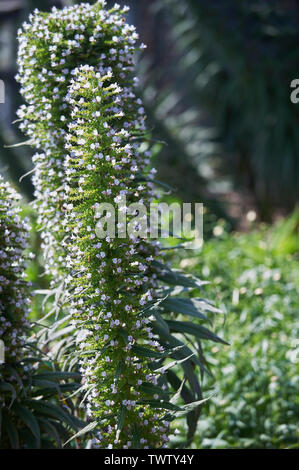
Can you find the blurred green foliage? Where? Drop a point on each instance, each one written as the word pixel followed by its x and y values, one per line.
pixel 228 68
pixel 256 277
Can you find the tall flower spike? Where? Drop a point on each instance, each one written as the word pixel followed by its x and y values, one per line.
pixel 111 277
pixel 23 405
pixel 14 289
pixel 51 46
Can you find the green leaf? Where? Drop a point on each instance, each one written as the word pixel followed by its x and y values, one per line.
pixel 180 350
pixel 191 307
pixel 191 406
pixel 119 370
pixel 7 387
pixel 177 395
pixel 136 437
pixel 13 372
pixel 175 382
pixel 90 427
pixel 47 384
pixel 195 330
pixel 158 355
pixel 160 320
pixel 58 375
pixel 160 404
pixel 120 420
pixel 151 389
pixel 176 278
pixel 51 430
pixel 146 352
pixel 11 430
pixel 173 364
pixel 51 391
pixel 53 411
pixel 29 419
pixel 19 144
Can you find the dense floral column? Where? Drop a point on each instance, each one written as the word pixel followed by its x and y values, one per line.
pixel 110 276
pixel 25 403
pixel 85 162
pixel 76 70
pixel 51 46
pixel 14 289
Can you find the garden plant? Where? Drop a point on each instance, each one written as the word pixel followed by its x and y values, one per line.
pixel 256 377
pixel 116 333
pixel 116 321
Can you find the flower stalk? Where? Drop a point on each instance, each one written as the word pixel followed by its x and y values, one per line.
pixel 14 289
pixel 111 277
pixel 51 46
pixel 76 73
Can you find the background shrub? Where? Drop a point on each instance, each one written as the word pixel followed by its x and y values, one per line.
pixel 256 277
